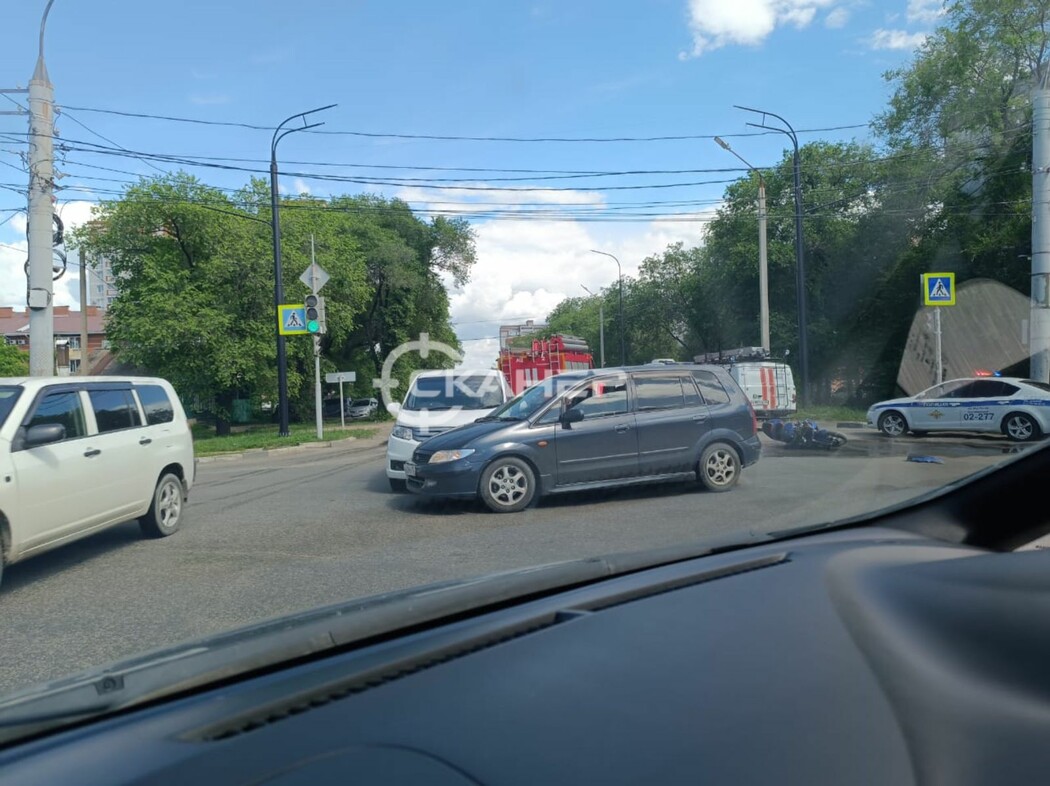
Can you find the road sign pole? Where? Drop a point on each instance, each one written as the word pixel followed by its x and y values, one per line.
pixel 937 330
pixel 342 405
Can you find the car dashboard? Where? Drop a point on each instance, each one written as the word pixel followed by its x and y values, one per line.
pixel 903 651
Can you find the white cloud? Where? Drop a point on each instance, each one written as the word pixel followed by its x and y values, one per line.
pixel 717 23
pixel 300 186
pixel 925 11
pixel 896 39
pixel 836 18
pixel 15 250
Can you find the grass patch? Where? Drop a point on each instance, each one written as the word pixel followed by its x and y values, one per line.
pixel 251 437
pixel 832 414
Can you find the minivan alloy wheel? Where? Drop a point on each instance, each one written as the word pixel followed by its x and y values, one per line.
pixel 508 485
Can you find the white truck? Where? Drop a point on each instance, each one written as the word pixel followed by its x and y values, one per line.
pixel 769 385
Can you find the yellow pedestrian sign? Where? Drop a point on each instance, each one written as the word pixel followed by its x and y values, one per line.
pixel 938 289
pixel 291 320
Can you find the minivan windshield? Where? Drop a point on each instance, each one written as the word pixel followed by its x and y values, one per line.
pixel 477 391
pixel 532 399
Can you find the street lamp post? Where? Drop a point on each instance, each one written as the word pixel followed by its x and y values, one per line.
pixel 800 265
pixel 763 264
pixel 278 287
pixel 601 324
pixel 619 270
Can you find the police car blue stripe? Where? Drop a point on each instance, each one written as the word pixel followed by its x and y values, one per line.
pixel 1030 402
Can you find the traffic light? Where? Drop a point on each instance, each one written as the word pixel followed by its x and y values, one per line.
pixel 314 306
pixel 313 313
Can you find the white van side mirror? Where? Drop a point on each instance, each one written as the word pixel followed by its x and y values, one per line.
pixel 393 408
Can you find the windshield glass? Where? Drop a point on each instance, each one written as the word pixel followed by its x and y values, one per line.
pixel 455 392
pixel 534 398
pixel 800 225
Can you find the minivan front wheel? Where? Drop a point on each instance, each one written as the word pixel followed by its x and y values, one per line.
pixel 719 467
pixel 508 485
pixel 165 512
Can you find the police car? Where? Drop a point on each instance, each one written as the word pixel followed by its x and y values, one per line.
pixel 1018 408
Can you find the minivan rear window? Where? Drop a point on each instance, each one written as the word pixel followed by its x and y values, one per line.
pixel 711 388
pixel 455 392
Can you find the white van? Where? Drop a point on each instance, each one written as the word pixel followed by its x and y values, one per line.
pixel 79 454
pixel 436 402
pixel 768 385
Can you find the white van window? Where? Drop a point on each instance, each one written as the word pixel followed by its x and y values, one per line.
pixel 156 404
pixel 114 410
pixel 455 392
pixel 62 408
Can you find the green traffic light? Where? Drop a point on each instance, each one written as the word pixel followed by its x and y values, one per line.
pixel 313 326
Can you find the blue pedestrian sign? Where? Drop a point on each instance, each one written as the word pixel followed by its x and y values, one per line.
pixel 938 289
pixel 291 320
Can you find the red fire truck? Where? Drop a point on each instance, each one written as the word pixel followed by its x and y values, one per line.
pixel 547 357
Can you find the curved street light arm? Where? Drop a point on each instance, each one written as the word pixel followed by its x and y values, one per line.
pixel 277 135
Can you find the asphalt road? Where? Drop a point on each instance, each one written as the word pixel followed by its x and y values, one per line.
pixel 272 534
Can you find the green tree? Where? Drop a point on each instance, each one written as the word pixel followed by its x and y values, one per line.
pixel 13 361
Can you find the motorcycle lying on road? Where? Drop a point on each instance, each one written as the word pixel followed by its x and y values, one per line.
pixel 803 434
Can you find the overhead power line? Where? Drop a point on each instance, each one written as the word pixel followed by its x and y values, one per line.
pixel 450 137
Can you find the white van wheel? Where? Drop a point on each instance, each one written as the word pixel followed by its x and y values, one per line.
pixel 165 512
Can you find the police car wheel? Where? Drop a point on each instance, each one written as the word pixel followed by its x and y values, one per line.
pixel 1020 427
pixel 892 424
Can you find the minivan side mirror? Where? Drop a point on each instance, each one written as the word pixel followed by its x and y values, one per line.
pixel 393 408
pixel 44 434
pixel 570 416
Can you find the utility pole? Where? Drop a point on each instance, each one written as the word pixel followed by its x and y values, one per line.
pixel 763 261
pixel 39 296
pixel 278 286
pixel 83 317
pixel 1039 318
pixel 601 324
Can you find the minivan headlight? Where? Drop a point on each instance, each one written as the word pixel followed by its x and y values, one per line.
pixel 443 456
pixel 401 432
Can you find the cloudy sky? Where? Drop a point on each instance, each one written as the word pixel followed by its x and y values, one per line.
pixel 529 117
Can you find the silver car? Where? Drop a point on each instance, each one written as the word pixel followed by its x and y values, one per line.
pixel 361 408
pixel 1018 408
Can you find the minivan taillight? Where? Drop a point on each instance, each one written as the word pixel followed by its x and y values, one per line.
pixel 754 419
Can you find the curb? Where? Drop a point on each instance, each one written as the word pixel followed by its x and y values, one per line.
pixel 350 443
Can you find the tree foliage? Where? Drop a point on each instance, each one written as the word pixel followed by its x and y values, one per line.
pixel 947 187
pixel 13 361
pixel 196 295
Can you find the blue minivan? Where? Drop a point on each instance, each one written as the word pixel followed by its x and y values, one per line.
pixel 595 429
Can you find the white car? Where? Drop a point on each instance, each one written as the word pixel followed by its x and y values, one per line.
pixel 1018 408
pixel 438 401
pixel 78 455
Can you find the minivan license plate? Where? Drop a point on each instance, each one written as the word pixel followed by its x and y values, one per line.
pixel 410 469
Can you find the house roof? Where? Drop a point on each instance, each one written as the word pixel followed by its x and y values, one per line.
pixel 15 322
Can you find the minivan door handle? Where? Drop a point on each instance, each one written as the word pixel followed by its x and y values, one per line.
pixel 92 452
pixel 145 441
pixel 623 428
pixel 699 418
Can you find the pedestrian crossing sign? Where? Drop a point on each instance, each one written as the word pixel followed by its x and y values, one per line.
pixel 938 289
pixel 291 320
